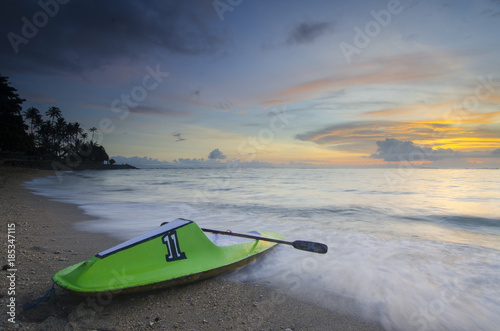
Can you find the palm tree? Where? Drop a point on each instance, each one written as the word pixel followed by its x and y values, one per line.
pixel 44 133
pixel 32 114
pixel 38 121
pixel 92 129
pixel 78 130
pixel 84 136
pixel 70 132
pixel 53 113
pixel 61 133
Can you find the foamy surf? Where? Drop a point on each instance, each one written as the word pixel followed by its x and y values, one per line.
pixel 419 256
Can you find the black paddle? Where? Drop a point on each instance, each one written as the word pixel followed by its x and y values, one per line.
pixel 298 244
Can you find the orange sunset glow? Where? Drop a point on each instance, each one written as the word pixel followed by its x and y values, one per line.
pixel 307 85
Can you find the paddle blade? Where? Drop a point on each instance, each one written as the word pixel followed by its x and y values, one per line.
pixel 310 246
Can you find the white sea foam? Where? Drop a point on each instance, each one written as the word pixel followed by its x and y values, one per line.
pixel 422 253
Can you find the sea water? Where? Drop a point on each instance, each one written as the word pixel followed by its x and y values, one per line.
pixel 415 249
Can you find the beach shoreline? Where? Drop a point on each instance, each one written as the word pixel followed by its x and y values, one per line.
pixel 46 241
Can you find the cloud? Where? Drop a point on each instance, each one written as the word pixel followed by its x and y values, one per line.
pixel 178 136
pixel 344 131
pixel 374 130
pixel 194 163
pixel 404 69
pixel 89 35
pixel 140 162
pixel 394 150
pixel 451 108
pixel 360 136
pixel 307 32
pixel 216 154
pixel 150 110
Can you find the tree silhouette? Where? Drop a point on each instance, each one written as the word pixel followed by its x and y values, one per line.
pixel 60 134
pixel 76 130
pixel 53 113
pixel 53 137
pixel 13 134
pixel 43 137
pixel 92 129
pixel 33 115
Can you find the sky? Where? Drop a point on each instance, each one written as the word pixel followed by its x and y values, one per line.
pixel 345 83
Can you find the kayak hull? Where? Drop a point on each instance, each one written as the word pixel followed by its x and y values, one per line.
pixel 171 282
pixel 174 254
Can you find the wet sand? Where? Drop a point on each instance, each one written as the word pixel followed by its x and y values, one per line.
pixel 46 241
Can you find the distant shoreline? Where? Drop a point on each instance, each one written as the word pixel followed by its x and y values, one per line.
pixel 58 166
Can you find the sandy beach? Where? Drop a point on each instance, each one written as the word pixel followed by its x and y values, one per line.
pixel 46 241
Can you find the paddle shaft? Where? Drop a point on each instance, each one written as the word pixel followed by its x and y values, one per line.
pixel 298 244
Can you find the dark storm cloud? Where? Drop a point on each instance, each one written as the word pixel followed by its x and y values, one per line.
pixel 307 32
pixel 82 35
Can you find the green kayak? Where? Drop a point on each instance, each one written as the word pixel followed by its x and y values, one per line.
pixel 175 253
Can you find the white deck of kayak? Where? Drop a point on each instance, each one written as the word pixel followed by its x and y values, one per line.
pixel 218 239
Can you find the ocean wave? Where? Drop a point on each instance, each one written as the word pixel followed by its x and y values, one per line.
pixel 416 257
pixel 463 221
